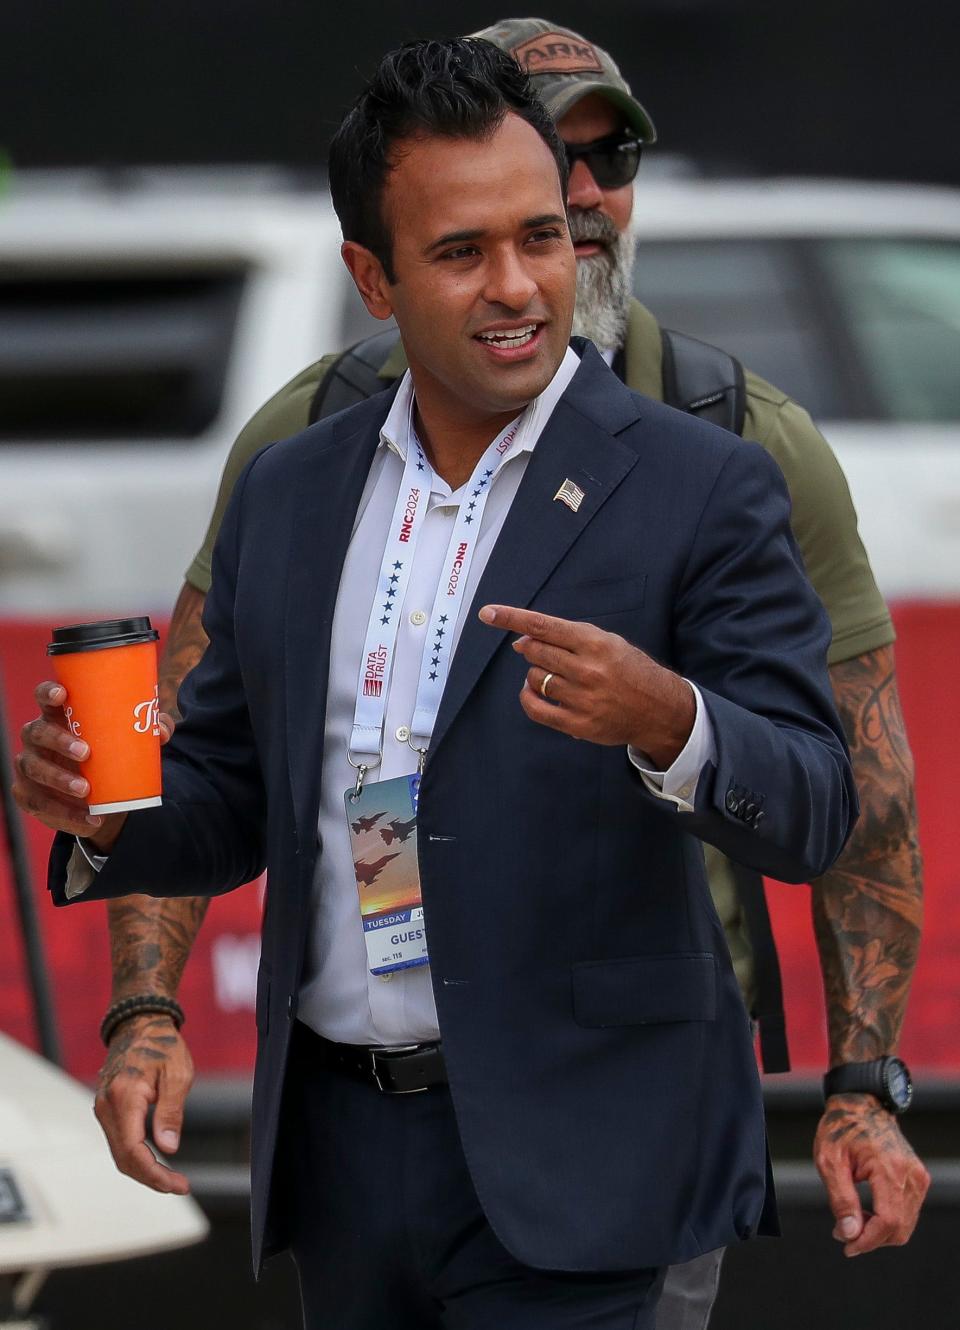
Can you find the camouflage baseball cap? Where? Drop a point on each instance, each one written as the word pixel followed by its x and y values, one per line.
pixel 565 67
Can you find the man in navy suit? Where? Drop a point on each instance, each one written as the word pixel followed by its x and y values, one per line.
pixel 564 628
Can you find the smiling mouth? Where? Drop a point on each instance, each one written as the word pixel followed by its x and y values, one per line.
pixel 510 338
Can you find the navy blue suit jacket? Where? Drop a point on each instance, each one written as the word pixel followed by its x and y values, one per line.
pixel 599 1054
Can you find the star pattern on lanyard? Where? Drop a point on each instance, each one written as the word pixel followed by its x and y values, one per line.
pixel 443 619
pixel 437 648
pixel 475 494
pixel 391 591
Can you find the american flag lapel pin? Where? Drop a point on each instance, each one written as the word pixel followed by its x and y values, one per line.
pixel 570 494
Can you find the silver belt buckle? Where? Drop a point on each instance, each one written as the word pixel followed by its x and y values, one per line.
pixel 388 1089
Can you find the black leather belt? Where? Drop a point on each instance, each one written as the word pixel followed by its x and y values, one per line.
pixel 403 1070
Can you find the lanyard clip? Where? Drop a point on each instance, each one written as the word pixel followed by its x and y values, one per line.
pixel 421 755
pixel 361 772
pixel 361 769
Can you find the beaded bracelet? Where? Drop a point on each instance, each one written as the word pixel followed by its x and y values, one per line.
pixel 139 1005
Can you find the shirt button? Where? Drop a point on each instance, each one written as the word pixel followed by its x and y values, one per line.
pixel 418 617
pixel 403 734
pixel 684 791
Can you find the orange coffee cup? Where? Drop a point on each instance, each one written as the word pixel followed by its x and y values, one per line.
pixel 109 670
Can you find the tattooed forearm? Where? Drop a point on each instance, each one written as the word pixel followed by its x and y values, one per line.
pixel 186 643
pixel 150 939
pixel 868 909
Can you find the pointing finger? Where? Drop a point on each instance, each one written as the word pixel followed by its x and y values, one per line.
pixel 544 627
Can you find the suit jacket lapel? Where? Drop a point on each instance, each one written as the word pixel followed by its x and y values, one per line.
pixel 578 444
pixel 330 484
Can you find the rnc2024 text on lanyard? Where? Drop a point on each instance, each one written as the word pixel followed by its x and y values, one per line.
pixel 382 815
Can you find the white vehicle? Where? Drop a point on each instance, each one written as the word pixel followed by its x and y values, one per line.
pixel 141 326
pixel 847 296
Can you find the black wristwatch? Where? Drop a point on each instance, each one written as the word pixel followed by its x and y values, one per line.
pixel 888 1079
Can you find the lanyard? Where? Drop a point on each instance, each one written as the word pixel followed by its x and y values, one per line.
pixel 379 646
pixel 448 603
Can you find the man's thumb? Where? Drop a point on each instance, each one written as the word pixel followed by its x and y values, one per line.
pixel 846 1207
pixel 168 1119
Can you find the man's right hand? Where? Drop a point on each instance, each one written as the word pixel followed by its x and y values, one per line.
pixel 48 783
pixel 47 780
pixel 148 1063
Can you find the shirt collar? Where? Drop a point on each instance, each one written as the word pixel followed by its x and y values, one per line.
pixel 398 426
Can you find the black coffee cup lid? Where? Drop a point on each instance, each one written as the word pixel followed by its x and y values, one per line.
pixel 97 636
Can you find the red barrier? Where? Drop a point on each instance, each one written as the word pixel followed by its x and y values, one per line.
pixel 218 987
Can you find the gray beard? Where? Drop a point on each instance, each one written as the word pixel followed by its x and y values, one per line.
pixel 604 287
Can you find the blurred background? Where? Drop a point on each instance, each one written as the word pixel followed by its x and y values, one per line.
pixel 168 258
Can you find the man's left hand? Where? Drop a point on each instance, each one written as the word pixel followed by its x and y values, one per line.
pixel 599 687
pixel 859 1141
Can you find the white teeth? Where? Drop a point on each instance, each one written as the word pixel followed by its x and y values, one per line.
pixel 513 337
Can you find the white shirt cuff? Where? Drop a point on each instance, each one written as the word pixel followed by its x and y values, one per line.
pixel 82 867
pixel 678 785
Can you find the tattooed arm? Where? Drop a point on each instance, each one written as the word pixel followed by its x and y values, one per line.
pixel 867 914
pixel 148 1061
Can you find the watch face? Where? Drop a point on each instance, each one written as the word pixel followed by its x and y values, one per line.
pixel 897 1083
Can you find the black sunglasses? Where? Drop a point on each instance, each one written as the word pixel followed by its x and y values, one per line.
pixel 613 161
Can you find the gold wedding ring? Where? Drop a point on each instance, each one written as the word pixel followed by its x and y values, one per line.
pixel 543 686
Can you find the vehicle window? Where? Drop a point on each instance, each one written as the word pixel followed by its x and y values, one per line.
pixel 751 298
pixel 119 355
pixel 901 299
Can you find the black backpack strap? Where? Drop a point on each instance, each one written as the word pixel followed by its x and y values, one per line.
pixel 707 382
pixel 768 1003
pixel 703 380
pixel 354 375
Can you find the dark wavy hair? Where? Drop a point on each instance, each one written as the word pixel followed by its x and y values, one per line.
pixel 461 88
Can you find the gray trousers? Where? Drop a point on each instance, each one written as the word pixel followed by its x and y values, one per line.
pixel 689 1292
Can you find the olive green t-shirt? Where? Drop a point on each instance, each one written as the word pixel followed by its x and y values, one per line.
pixel 823 520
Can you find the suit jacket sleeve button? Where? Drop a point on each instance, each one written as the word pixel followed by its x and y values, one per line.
pixel 733 803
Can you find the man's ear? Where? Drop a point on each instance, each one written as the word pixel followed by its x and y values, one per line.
pixel 369 278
